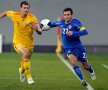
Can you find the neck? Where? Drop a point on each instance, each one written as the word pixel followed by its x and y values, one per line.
pixel 68 21
pixel 23 15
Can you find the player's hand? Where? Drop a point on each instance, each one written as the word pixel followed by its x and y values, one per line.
pixel 37 28
pixel 69 33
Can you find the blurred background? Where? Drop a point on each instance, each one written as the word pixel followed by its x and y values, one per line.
pixel 49 72
pixel 92 13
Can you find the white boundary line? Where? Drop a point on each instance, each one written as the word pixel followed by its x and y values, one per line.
pixel 105 66
pixel 70 67
pixel 43 78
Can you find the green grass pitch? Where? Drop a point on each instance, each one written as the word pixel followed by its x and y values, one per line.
pixel 50 73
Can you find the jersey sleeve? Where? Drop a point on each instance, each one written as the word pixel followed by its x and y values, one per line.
pixel 10 14
pixel 82 30
pixel 55 24
pixel 79 25
pixel 35 20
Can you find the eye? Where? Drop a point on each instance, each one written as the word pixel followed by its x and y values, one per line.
pixel 27 7
pixel 24 7
pixel 64 14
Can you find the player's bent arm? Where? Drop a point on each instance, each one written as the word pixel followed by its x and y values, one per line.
pixel 37 28
pixel 2 15
pixel 80 33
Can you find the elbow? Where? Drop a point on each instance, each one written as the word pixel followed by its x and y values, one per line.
pixel 39 33
pixel 86 32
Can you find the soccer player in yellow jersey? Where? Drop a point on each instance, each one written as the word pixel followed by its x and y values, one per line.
pixel 24 26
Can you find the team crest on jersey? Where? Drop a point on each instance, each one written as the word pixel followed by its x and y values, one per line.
pixel 26 23
pixel 70 26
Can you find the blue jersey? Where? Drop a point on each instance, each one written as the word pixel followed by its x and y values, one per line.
pixel 75 26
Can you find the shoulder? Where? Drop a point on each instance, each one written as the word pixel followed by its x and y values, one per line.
pixel 16 13
pixel 31 15
pixel 12 13
pixel 76 21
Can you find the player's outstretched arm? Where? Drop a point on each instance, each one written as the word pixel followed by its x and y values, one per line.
pixel 2 15
pixel 37 28
pixel 53 24
pixel 46 24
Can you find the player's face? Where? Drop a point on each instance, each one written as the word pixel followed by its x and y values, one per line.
pixel 25 9
pixel 67 16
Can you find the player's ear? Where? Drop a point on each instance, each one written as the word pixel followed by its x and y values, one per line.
pixel 20 8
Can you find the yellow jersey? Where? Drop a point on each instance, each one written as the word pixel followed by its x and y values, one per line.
pixel 23 28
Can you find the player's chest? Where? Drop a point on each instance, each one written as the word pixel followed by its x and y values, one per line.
pixel 23 23
pixel 67 27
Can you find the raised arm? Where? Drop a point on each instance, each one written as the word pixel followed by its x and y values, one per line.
pixel 2 15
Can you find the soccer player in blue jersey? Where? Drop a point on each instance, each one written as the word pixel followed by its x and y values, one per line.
pixel 72 30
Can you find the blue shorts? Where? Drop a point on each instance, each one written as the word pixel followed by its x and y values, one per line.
pixel 79 52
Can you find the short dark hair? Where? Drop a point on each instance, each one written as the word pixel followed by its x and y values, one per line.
pixel 24 3
pixel 68 9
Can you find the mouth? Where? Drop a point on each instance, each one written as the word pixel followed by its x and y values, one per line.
pixel 67 19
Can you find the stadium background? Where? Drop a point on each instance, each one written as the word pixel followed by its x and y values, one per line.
pixel 92 13
pixel 48 70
